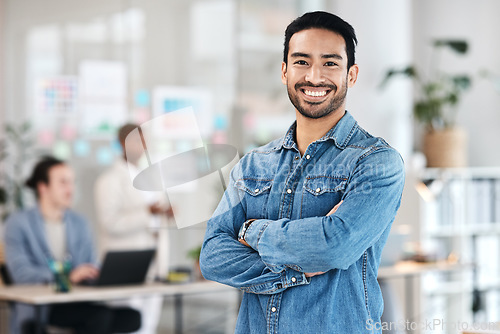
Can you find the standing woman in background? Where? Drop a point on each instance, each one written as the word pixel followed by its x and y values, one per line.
pixel 127 216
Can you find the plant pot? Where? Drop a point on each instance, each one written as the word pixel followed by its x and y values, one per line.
pixel 446 148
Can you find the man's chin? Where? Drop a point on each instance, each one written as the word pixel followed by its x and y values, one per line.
pixel 66 205
pixel 314 114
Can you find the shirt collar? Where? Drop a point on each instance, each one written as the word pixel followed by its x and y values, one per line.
pixel 341 133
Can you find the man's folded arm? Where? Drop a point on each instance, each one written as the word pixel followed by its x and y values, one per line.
pixel 369 205
pixel 225 260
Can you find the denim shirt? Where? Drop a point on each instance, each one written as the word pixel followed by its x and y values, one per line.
pixel 290 196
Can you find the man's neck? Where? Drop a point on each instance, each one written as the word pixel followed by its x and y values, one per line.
pixel 310 130
pixel 51 212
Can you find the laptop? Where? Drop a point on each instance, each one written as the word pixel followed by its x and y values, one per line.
pixel 123 268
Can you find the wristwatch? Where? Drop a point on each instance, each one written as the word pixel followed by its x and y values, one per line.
pixel 244 228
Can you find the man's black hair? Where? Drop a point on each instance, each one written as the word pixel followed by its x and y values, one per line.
pixel 41 173
pixel 323 20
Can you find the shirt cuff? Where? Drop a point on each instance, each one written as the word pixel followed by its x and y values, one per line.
pixel 254 231
pixel 288 278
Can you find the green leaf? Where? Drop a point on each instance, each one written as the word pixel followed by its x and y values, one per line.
pixel 408 71
pixel 427 110
pixel 452 98
pixel 194 253
pixel 458 45
pixel 461 81
pixel 25 127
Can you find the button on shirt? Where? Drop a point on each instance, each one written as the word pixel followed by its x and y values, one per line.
pixel 292 235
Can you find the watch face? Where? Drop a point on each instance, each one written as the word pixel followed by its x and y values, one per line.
pixel 242 231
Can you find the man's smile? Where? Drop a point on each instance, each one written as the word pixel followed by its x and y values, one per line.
pixel 314 94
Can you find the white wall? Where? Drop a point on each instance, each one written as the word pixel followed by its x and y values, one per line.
pixel 478 23
pixel 166 57
pixel 2 62
pixel 390 33
pixel 383 28
pixel 396 33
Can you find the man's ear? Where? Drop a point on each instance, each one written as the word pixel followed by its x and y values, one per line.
pixel 41 188
pixel 283 72
pixel 352 76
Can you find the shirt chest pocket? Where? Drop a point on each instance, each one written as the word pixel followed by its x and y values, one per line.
pixel 321 194
pixel 255 195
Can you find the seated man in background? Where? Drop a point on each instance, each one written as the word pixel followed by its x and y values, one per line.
pixel 51 231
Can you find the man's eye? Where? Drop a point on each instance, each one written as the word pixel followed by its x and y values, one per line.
pixel 330 63
pixel 301 62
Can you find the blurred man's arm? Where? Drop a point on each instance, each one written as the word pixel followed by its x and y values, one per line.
pixel 19 261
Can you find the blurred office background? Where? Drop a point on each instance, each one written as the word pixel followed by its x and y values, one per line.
pixel 76 70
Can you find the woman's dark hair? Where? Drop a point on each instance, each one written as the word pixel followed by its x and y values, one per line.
pixel 124 131
pixel 41 172
pixel 323 20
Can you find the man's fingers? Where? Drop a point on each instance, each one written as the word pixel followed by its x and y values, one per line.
pixel 332 211
pixel 83 272
pixel 244 243
pixel 93 272
pixel 314 274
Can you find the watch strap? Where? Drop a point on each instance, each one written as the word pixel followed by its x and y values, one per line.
pixel 244 228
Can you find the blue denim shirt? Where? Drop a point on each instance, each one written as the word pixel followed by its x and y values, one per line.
pixel 290 196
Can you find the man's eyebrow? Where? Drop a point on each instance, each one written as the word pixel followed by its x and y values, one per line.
pixel 324 56
pixel 333 55
pixel 300 55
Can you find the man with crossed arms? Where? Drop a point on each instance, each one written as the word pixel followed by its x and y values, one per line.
pixel 304 219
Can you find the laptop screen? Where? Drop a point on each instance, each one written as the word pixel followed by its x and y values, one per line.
pixel 125 267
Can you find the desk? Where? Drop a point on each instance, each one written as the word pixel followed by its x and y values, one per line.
pixel 410 269
pixel 39 295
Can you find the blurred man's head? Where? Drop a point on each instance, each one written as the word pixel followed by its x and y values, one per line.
pixel 53 182
pixel 132 146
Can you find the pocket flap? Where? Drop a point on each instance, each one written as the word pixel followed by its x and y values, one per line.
pixel 254 187
pixel 321 184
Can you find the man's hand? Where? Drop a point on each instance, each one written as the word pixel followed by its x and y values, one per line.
pixel 243 242
pixel 83 272
pixel 314 274
pixel 332 211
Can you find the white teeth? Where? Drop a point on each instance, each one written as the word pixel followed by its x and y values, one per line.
pixel 311 93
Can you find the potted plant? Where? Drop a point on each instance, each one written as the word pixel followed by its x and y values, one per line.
pixel 194 254
pixel 444 144
pixel 16 148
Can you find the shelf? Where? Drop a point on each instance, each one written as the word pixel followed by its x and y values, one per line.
pixel 461 173
pixel 450 288
pixel 411 268
pixel 461 287
pixel 460 214
pixel 468 230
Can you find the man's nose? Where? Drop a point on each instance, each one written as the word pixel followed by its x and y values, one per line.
pixel 315 75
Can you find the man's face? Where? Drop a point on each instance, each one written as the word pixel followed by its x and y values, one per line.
pixel 316 74
pixel 59 190
pixel 133 148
